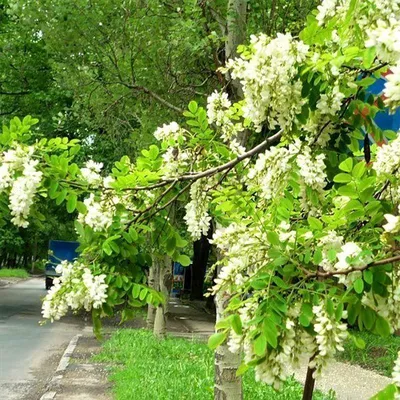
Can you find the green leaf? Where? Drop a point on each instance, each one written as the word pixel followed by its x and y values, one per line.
pixel 260 345
pixel 273 238
pixel 243 368
pixel 236 324
pixel 184 260
pixel 135 290
pixel 359 170
pixel 271 333
pixel 314 223
pixel 368 276
pixel 106 248
pixel 317 258
pixel 143 294
pixel 359 342
pixel 359 285
pixel 193 107
pixel 71 202
pixel 342 178
pixel 382 327
pixel 171 244
pixel 216 340
pixel 389 393
pixel 346 165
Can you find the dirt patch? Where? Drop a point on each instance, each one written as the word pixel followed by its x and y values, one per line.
pixel 377 352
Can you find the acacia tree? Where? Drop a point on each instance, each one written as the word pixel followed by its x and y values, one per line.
pixel 301 214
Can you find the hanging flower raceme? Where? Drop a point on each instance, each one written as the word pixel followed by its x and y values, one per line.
pixel 271 88
pixel 77 288
pixel 19 173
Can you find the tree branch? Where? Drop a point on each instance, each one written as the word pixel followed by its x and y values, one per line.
pixel 212 171
pixel 359 269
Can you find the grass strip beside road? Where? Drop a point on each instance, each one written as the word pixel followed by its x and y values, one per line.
pixel 379 353
pixel 13 273
pixel 174 369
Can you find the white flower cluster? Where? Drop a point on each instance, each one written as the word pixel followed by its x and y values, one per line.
pixel 385 35
pixel 392 88
pixel 331 102
pixel 331 8
pixel 295 345
pixel 98 216
pixel 217 104
pixel 175 160
pixel 197 217
pixel 312 169
pixel 387 167
pixel 272 91
pixel 168 132
pixel 18 171
pixel 330 337
pixel 245 250
pixel 393 223
pixel 271 171
pixel 91 173
pixel 387 161
pixel 76 288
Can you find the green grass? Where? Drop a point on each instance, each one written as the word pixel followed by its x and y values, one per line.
pixel 379 353
pixel 174 369
pixel 13 273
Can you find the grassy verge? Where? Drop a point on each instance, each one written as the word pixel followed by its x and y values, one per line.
pixel 379 353
pixel 13 273
pixel 174 369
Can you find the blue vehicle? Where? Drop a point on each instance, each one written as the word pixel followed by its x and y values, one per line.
pixel 60 250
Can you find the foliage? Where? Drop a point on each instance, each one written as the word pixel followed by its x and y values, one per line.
pixel 173 369
pixel 13 273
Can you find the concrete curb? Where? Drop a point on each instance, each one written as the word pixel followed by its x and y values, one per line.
pixel 62 366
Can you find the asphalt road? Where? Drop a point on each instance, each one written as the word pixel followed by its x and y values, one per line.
pixel 29 353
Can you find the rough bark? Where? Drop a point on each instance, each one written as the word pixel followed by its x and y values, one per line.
pixel 236 19
pixel 165 284
pixel 153 282
pixel 227 385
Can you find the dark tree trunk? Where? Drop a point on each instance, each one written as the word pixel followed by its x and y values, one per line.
pixel 201 252
pixel 309 384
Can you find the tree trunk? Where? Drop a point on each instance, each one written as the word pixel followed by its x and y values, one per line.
pixel 34 253
pixel 165 284
pixel 236 19
pixel 227 385
pixel 153 282
pixel 201 252
pixel 309 384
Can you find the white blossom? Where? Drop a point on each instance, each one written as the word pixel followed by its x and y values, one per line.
pixel 272 91
pixel 197 217
pixel 91 173
pixel 171 131
pixel 98 216
pixel 217 104
pixel 330 337
pixel 76 288
pixel 330 103
pixel 393 223
pixel 392 88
